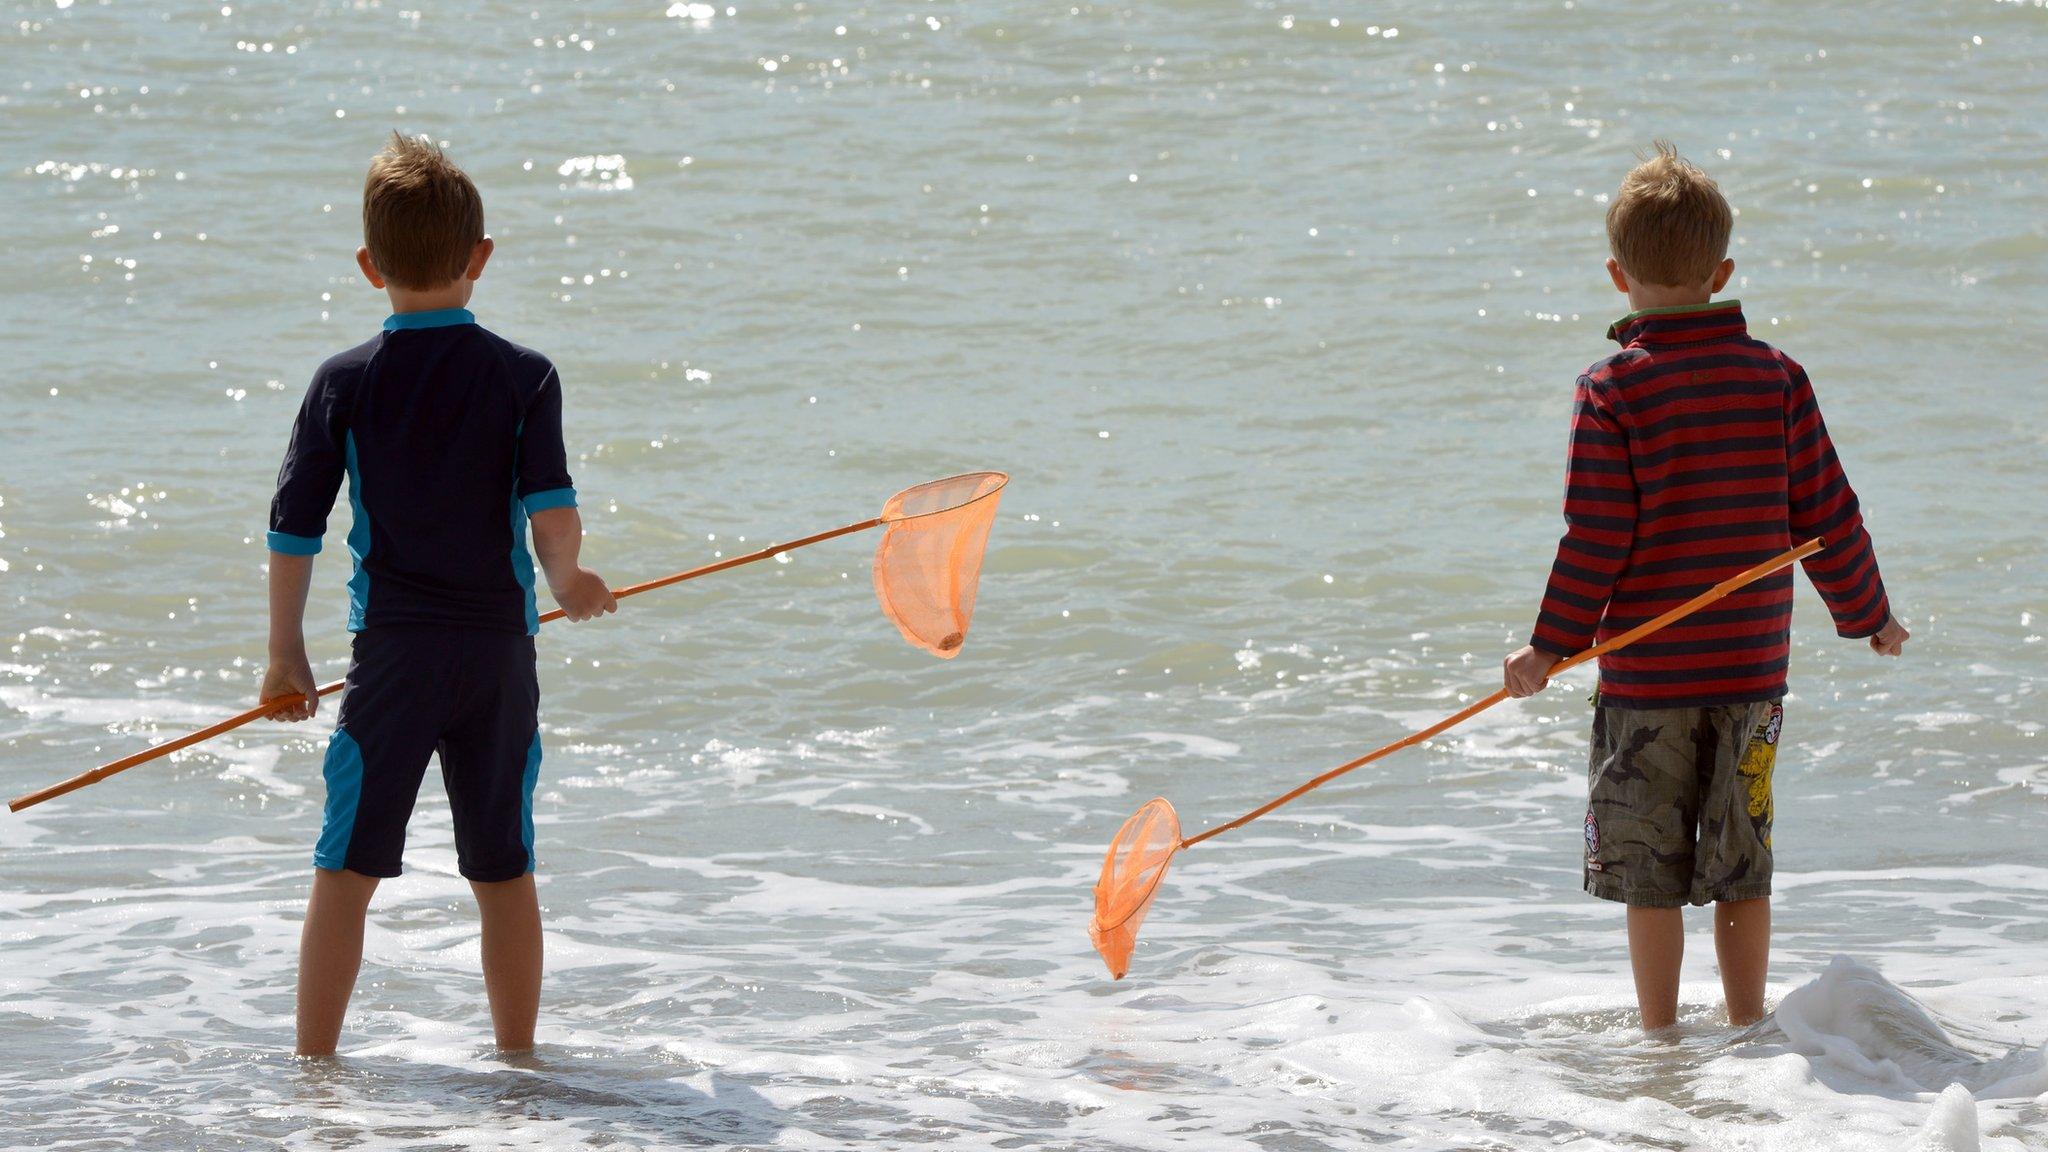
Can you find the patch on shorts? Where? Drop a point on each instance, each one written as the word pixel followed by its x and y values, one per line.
pixel 1592 842
pixel 1757 762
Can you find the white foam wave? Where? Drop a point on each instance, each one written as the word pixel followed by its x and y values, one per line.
pixel 1857 1025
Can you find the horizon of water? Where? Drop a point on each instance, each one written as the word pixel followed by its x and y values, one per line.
pixel 1272 311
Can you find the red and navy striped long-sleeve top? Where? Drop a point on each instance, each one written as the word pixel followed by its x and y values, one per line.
pixel 1698 451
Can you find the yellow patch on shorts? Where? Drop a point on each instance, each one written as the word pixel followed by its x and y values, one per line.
pixel 1757 761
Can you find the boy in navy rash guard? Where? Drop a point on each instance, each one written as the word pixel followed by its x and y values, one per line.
pixel 450 438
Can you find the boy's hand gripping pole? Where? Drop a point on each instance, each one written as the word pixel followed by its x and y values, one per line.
pixel 927 569
pixel 279 703
pixel 1740 579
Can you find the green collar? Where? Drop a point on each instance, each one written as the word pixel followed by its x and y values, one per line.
pixel 1679 322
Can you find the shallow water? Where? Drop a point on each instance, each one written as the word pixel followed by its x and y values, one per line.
pixel 1272 318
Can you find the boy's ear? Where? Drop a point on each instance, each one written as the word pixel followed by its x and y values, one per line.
pixel 1615 274
pixel 478 257
pixel 1722 274
pixel 369 267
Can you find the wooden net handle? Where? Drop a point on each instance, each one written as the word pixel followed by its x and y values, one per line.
pixel 1739 580
pixel 282 702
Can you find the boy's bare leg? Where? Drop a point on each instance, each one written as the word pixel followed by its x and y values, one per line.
pixel 1742 941
pixel 330 953
pixel 512 955
pixel 1656 949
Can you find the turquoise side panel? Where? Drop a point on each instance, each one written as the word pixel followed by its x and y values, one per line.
pixel 343 771
pixel 526 798
pixel 358 543
pixel 522 560
pixel 522 565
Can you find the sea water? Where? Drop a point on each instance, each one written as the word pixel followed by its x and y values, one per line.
pixel 1273 310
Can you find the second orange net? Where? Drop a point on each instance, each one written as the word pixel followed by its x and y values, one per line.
pixel 1131 872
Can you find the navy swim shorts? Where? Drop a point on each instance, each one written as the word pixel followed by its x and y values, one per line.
pixel 469 695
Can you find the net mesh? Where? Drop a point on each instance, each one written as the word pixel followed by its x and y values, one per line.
pixel 1131 872
pixel 928 565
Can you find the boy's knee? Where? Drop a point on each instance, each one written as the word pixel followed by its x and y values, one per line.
pixel 344 883
pixel 515 893
pixel 506 884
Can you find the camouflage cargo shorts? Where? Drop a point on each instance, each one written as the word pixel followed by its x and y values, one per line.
pixel 1680 809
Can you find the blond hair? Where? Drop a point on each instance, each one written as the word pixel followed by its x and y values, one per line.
pixel 1669 224
pixel 421 215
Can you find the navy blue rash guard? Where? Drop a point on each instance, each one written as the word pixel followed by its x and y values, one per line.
pixel 450 437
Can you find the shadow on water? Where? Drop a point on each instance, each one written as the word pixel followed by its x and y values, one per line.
pixel 1858 1034
pixel 1605 1055
pixel 599 1097
pixel 1123 1071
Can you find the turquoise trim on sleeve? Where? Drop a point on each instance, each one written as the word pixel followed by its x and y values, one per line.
pixel 287 544
pixel 358 543
pixel 438 318
pixel 552 498
pixel 343 771
pixel 526 784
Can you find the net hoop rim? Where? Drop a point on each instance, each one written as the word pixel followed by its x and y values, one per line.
pixel 1002 481
pixel 1159 877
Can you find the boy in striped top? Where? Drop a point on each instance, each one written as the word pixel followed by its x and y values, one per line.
pixel 1696 451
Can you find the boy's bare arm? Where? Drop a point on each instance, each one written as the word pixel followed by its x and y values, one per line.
pixel 557 541
pixel 291 577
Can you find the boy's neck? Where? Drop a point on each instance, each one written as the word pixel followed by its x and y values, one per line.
pixel 1646 296
pixel 452 295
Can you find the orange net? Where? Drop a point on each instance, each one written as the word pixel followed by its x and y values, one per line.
pixel 1131 872
pixel 927 570
pixel 928 565
pixel 1143 847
